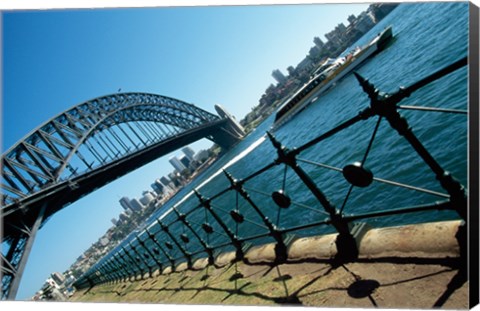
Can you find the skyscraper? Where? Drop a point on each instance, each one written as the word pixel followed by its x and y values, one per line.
pixel 318 42
pixel 278 75
pixel 165 181
pixel 189 153
pixel 136 205
pixel 185 161
pixel 177 164
pixel 125 203
pixel 128 204
pixel 158 187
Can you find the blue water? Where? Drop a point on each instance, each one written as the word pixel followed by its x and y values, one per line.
pixel 427 37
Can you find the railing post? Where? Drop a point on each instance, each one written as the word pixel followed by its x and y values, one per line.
pixel 280 247
pixel 183 218
pixel 139 269
pixel 140 258
pixel 142 243
pixel 112 270
pixel 186 254
pixel 346 245
pixel 233 238
pixel 123 265
pixel 384 104
pixel 152 237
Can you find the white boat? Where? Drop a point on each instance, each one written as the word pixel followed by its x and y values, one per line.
pixel 327 76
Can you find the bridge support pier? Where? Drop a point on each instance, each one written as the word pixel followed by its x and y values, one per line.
pixel 23 242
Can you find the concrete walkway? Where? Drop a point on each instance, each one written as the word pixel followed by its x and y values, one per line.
pixel 403 267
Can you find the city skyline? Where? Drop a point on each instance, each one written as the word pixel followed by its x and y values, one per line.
pixel 14 83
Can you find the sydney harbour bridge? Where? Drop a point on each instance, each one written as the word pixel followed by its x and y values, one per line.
pixel 85 148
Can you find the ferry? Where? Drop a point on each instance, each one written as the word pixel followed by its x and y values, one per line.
pixel 331 71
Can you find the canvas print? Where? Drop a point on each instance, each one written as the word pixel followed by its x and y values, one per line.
pixel 308 155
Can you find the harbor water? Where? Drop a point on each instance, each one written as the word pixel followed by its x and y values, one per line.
pixel 427 37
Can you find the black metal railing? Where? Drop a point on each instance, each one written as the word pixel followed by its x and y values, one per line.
pixel 234 218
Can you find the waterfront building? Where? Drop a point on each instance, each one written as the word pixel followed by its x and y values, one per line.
pixel 365 22
pixel 337 35
pixel 125 203
pixel 104 241
pixel 69 279
pixel 278 76
pixel 305 64
pixel 167 184
pixel 185 161
pixel 58 278
pixel 177 164
pixel 318 43
pixel 158 187
pixel 379 10
pixel 114 221
pixel 137 206
pixel 147 198
pixel 123 217
pixel 202 155
pixel 189 153
pixel 165 181
pixel 176 179
pixel 351 19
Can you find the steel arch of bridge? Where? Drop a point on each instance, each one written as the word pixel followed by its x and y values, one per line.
pixel 84 148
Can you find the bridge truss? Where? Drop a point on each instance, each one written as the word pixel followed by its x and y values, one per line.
pixel 82 149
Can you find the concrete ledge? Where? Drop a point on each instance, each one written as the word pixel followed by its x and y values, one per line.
pixel 167 270
pixel 182 267
pixel 225 259
pixel 156 273
pixel 261 253
pixel 429 238
pixel 200 264
pixel 432 239
pixel 317 247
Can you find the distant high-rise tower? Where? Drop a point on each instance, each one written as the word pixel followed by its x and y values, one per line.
pixel 125 203
pixel 123 217
pixel 351 19
pixel 158 187
pixel 318 43
pixel 165 181
pixel 177 164
pixel 137 206
pixel 189 153
pixel 185 161
pixel 278 75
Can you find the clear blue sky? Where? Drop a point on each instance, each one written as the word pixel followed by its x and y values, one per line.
pixel 55 59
